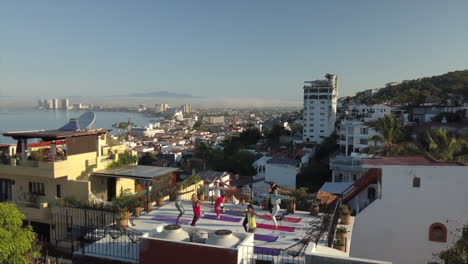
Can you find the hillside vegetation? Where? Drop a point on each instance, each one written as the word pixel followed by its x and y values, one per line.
pixel 452 85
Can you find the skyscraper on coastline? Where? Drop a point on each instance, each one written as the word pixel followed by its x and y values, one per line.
pixel 320 98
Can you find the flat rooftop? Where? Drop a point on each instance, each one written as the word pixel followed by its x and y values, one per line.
pixel 53 134
pixel 138 172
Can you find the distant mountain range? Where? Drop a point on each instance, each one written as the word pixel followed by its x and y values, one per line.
pixel 164 94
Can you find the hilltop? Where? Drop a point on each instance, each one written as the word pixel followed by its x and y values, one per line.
pixel 449 88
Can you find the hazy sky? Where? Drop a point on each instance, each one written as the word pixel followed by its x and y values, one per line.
pixel 243 48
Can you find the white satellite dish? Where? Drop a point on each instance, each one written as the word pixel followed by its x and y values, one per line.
pixel 86 120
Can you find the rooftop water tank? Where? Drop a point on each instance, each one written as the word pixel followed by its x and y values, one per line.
pixel 173 232
pixel 223 238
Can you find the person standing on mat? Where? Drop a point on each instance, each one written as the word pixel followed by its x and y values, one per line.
pixel 273 187
pixel 219 202
pixel 196 204
pixel 178 202
pixel 275 199
pixel 249 221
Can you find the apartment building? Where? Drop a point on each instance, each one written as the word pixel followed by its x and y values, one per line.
pixel 320 99
pixel 61 165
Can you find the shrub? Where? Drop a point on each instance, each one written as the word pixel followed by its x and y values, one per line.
pixel 341 230
pixel 338 243
pixel 344 210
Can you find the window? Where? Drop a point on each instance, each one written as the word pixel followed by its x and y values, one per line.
pixel 36 188
pixel 321 131
pixel 5 190
pixel 311 119
pixel 323 90
pixel 322 113
pixel 363 141
pixel 305 96
pixel 59 191
pixel 323 96
pixel 313 90
pixel 364 130
pixel 339 178
pixel 438 233
pixel 354 177
pixel 311 130
pixel 313 97
pixel 416 182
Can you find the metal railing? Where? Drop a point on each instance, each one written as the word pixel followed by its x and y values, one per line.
pixel 260 255
pixel 333 223
pixel 93 229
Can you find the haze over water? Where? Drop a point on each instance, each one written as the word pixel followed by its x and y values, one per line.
pixel 22 120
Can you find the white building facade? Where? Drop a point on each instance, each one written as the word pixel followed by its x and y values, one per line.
pixel 417 211
pixel 320 99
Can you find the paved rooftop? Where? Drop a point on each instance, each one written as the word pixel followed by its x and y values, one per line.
pixel 135 172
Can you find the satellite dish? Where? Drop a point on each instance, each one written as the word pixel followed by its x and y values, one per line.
pixel 72 125
pixel 86 120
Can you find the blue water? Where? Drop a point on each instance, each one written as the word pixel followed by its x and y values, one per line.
pixel 21 120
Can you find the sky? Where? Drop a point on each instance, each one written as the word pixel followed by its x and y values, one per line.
pixel 224 49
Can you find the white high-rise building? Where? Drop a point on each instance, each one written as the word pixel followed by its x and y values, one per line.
pixel 161 108
pixel 65 104
pixel 56 104
pixel 187 108
pixel 320 99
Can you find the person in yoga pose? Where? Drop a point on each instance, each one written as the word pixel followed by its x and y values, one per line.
pixel 179 200
pixel 219 203
pixel 249 221
pixel 270 190
pixel 275 199
pixel 196 204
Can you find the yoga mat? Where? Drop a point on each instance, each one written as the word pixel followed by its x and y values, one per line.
pixel 272 227
pixel 170 219
pixel 222 218
pixel 266 238
pixel 285 219
pixel 267 251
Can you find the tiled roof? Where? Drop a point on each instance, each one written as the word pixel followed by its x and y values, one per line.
pixel 408 160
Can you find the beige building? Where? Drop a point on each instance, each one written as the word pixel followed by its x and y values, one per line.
pixel 60 166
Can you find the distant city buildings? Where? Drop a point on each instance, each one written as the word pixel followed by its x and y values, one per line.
pixel 187 108
pixel 53 104
pixel 320 98
pixel 159 108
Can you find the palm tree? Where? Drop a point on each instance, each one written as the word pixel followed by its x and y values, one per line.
pixel 390 140
pixel 203 151
pixel 444 147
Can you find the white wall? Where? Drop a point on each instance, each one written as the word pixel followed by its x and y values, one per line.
pixel 396 228
pixel 281 174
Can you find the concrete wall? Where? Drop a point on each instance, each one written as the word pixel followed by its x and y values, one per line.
pixel 396 228
pixel 327 259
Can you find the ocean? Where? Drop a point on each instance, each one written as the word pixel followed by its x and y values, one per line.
pixel 31 119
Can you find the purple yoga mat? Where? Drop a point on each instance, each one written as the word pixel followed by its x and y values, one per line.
pixel 266 238
pixel 267 251
pixel 169 219
pixel 223 218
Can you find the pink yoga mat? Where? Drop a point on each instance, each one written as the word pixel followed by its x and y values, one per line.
pixel 272 227
pixel 286 219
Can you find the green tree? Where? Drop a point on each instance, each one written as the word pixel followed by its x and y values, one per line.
pixel 458 253
pixel 250 136
pixel 391 139
pixel 148 159
pixel 273 135
pixel 16 241
pixel 444 147
pixel 203 151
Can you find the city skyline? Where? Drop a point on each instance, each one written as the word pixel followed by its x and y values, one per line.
pixel 212 50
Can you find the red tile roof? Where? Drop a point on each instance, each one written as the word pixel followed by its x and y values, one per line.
pixel 408 160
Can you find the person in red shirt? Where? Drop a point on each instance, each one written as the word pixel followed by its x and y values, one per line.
pixel 196 204
pixel 219 202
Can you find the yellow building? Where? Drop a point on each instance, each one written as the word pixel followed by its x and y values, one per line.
pixel 60 166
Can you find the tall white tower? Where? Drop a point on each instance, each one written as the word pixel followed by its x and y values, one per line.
pixel 320 99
